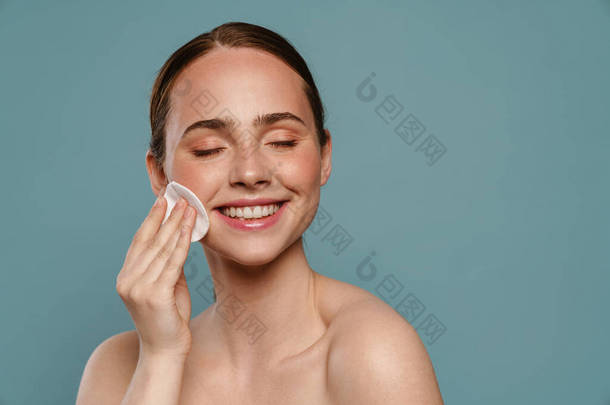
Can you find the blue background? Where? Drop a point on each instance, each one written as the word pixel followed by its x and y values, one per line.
pixel 503 241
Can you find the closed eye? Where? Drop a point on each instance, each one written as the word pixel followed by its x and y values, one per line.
pixel 285 143
pixel 211 152
pixel 208 152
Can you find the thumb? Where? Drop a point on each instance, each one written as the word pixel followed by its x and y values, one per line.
pixel 183 297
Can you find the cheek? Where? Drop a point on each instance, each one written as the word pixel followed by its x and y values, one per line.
pixel 302 171
pixel 199 181
pixel 182 168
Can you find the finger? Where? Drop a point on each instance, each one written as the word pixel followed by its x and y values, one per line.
pixel 166 230
pixel 150 226
pixel 160 260
pixel 133 264
pixel 146 251
pixel 174 266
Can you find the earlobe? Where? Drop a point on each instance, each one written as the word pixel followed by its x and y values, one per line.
pixel 326 159
pixel 156 174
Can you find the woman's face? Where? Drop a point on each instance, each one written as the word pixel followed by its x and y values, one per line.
pixel 281 160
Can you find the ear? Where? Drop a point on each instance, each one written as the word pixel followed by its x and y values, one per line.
pixel 156 174
pixel 326 155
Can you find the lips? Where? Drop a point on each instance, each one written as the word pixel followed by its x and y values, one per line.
pixel 250 202
pixel 252 224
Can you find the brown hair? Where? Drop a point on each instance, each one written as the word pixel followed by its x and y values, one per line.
pixel 231 35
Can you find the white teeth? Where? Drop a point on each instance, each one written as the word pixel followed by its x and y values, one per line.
pixel 256 211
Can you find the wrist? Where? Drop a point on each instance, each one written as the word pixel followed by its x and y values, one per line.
pixel 164 357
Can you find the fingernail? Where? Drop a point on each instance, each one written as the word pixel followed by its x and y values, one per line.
pixel 189 212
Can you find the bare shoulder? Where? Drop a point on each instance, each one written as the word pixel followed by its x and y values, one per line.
pixel 375 356
pixel 109 369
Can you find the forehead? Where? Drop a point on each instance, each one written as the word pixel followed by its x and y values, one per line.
pixel 241 82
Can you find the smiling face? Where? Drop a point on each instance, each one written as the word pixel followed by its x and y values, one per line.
pixel 270 152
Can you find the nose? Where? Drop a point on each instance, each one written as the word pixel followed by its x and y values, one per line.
pixel 250 167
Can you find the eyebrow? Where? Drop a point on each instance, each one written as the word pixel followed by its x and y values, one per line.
pixel 227 123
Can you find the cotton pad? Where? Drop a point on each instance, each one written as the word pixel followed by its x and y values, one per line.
pixel 176 190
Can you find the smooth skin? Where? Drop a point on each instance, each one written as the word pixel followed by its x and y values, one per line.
pixel 324 342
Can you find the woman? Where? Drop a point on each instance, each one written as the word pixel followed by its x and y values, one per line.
pixel 236 118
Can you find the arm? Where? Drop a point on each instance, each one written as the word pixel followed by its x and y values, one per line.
pixel 378 358
pixel 153 287
pixel 116 374
pixel 156 381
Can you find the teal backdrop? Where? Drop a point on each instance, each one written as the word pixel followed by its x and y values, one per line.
pixel 469 187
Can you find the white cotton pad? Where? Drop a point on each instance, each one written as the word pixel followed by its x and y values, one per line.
pixel 176 190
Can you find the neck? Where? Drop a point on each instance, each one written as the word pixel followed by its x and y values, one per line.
pixel 264 314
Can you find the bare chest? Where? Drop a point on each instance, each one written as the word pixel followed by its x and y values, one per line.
pixel 300 383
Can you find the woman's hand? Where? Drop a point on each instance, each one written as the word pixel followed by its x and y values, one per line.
pixel 152 283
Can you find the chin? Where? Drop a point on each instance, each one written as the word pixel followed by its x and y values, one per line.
pixel 254 258
pixel 250 253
